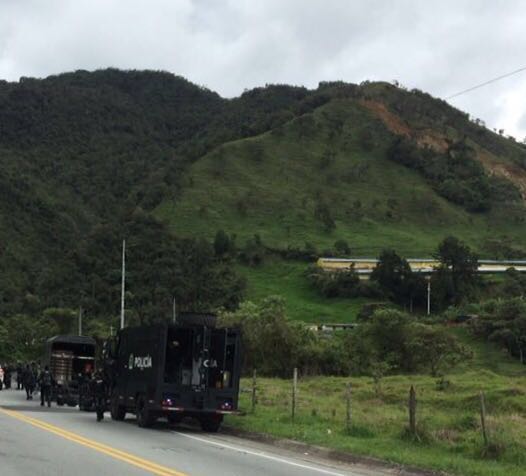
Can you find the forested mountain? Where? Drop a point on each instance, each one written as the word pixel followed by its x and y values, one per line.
pixel 90 158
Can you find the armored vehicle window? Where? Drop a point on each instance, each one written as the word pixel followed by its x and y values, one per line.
pixel 178 365
pixel 221 362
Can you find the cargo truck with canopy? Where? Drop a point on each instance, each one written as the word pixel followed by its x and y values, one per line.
pixel 70 359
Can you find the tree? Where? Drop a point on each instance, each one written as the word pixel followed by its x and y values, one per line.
pixel 322 213
pixel 366 139
pixel 504 322
pixel 456 276
pixel 340 284
pixel 222 244
pixel 436 349
pixel 64 319
pixel 274 344
pixel 383 338
pixel 22 336
pixel 342 248
pixel 253 253
pixel 271 343
pixel 395 277
pixel 393 340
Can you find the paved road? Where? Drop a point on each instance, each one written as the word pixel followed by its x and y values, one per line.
pixel 64 441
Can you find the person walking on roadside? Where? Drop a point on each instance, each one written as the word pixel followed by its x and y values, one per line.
pixel 29 382
pixel 19 373
pixel 7 377
pixel 99 392
pixel 35 368
pixel 45 380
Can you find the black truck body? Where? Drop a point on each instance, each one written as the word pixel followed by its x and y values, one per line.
pixel 174 371
pixel 70 360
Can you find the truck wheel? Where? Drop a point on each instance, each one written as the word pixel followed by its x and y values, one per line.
pixel 117 412
pixel 211 424
pixel 175 418
pixel 84 405
pixel 144 416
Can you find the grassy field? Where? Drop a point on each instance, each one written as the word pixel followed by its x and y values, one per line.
pixel 304 303
pixel 450 436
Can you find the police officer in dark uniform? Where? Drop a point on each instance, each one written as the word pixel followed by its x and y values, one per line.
pixel 7 376
pixel 29 382
pixel 19 374
pixel 45 379
pixel 99 387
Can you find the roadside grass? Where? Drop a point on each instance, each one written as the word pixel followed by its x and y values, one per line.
pixel 448 421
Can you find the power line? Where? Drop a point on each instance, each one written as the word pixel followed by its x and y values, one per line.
pixel 498 78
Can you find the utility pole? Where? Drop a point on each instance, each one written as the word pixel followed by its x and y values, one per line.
pixel 80 320
pixel 428 296
pixel 174 312
pixel 123 281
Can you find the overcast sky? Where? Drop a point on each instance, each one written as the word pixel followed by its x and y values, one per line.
pixel 441 47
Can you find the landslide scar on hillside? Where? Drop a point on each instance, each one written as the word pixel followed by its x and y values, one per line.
pixel 438 142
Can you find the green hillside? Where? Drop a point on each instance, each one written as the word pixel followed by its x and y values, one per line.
pixel 272 185
pixel 89 158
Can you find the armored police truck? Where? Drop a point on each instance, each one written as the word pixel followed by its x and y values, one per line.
pixel 70 360
pixel 188 369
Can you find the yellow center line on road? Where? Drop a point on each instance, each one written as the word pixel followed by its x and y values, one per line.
pixel 150 466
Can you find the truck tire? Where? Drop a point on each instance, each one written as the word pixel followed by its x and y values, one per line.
pixel 85 405
pixel 175 418
pixel 117 412
pixel 144 416
pixel 211 424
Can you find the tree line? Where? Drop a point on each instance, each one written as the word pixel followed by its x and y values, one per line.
pixel 392 279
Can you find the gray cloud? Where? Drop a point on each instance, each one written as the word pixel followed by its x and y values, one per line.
pixel 440 47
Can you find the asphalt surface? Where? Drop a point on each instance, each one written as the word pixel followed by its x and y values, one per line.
pixel 65 441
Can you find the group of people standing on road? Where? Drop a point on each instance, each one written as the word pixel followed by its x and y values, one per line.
pixel 32 378
pixel 29 377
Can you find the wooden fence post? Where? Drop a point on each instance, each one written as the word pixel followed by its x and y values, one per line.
pixel 412 411
pixel 254 390
pixel 294 391
pixel 483 418
pixel 349 407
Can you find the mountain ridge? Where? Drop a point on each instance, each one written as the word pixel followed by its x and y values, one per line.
pixel 372 164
